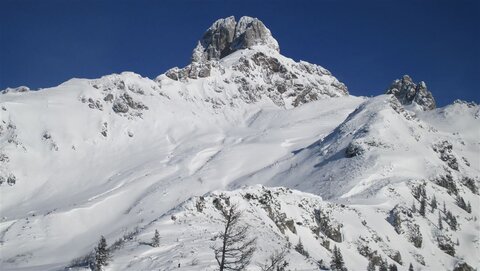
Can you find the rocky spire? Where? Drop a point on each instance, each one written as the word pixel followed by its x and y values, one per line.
pixel 226 36
pixel 407 92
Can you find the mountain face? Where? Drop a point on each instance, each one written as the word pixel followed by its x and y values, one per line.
pixel 245 56
pixel 407 92
pixel 389 180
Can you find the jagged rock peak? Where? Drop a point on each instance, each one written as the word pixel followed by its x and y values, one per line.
pixel 226 36
pixel 406 91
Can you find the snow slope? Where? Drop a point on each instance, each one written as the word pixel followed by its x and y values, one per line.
pixel 119 155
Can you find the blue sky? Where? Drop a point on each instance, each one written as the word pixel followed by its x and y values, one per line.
pixel 365 44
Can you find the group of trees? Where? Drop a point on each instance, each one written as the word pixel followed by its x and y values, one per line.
pixel 236 249
pixel 102 253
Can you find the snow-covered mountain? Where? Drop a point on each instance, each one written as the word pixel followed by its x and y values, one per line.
pixel 123 155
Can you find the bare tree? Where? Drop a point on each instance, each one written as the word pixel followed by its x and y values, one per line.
pixel 236 249
pixel 276 262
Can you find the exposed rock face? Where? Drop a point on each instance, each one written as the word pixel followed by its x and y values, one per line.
pixel 260 71
pixel 407 92
pixel 226 36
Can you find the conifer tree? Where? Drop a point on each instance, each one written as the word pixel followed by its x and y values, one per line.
pixel 383 265
pixel 392 267
pixel 433 203
pixel 410 268
pixel 337 263
pixel 102 255
pixel 422 206
pixel 440 224
pixel 371 265
pixel 156 239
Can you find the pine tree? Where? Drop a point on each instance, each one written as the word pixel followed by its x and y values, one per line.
pixel 392 267
pixel 337 263
pixel 422 206
pixel 371 265
pixel 102 255
pixel 469 208
pixel 440 224
pixel 156 239
pixel 444 208
pixel 410 268
pixel 414 208
pixel 433 203
pixel 300 249
pixel 383 265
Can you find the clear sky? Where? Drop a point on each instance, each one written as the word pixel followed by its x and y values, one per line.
pixel 365 44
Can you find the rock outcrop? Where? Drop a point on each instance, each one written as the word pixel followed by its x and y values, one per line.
pixel 260 71
pixel 226 36
pixel 408 92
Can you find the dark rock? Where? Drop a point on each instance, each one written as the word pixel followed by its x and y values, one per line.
pixel 463 267
pixel 226 36
pixel 119 106
pixel 354 149
pixel 408 92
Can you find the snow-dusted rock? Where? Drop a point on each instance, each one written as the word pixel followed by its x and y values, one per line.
pixel 226 36
pixel 407 92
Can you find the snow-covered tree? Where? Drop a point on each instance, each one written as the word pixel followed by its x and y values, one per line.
pixel 422 206
pixel 440 223
pixel 300 249
pixel 433 203
pixel 156 239
pixel 383 265
pixel 371 265
pixel 337 263
pixel 236 250
pixel 102 255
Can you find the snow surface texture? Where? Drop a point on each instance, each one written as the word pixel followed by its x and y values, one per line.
pixel 123 155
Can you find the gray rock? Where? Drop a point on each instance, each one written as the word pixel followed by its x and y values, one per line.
pixel 407 92
pixel 226 36
pixel 119 106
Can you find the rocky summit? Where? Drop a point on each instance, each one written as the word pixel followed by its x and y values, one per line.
pixel 245 55
pixel 226 36
pixel 407 92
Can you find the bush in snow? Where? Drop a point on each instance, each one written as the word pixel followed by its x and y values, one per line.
pixel 451 220
pixel 415 236
pixel 462 204
pixel 354 149
pixel 446 245
pixel 448 183
pixel 445 150
pixel 470 184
